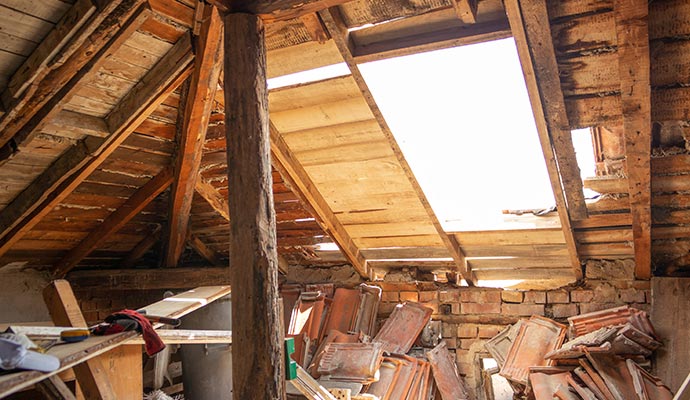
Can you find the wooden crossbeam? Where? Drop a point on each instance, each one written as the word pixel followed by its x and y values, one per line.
pixel 632 31
pixel 257 319
pixel 149 278
pixel 298 179
pixel 276 10
pixel 115 221
pixel 212 197
pixel 466 10
pixel 76 48
pixel 77 163
pixel 529 23
pixel 197 111
pixel 338 31
pixel 64 311
pixel 204 250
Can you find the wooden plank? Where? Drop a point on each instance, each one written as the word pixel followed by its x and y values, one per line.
pixel 466 10
pixel 197 111
pixel 315 27
pixel 530 25
pixel 184 303
pixel 338 30
pixel 73 23
pixel 148 279
pixel 54 388
pixel 632 31
pixel 64 311
pixel 115 221
pixel 77 163
pixel 27 113
pixel 276 10
pixel 257 318
pixel 511 237
pixel 671 315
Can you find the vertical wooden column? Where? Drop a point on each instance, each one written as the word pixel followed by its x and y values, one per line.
pixel 258 371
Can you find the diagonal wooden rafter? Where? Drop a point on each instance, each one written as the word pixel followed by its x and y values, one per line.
pixel 298 179
pixel 466 10
pixel 204 251
pixel 529 23
pixel 197 111
pixel 142 247
pixel 76 47
pixel 115 221
pixel 632 31
pixel 78 162
pixel 338 31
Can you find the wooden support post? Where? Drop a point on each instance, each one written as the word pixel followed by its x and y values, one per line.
pixel 64 311
pixel 258 370
pixel 632 32
pixel 197 111
pixel 529 23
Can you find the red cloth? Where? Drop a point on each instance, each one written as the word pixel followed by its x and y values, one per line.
pixel 152 342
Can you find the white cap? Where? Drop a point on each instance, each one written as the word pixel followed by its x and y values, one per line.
pixel 14 354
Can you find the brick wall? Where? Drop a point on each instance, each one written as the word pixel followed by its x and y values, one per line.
pixel 471 316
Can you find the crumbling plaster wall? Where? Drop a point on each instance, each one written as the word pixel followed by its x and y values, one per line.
pixel 21 296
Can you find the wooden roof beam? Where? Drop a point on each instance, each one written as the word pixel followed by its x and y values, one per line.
pixel 338 31
pixel 466 10
pixel 142 247
pixel 204 250
pixel 276 10
pixel 298 179
pixel 115 221
pixel 197 111
pixel 214 199
pixel 529 22
pixel 632 31
pixel 78 162
pixel 75 48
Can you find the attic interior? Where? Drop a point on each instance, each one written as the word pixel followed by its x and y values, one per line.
pixel 246 172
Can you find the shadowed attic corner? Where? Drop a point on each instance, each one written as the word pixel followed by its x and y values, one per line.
pixel 314 170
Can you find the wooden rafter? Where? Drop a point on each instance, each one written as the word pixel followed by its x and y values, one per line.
pixel 197 111
pixel 204 250
pixel 315 27
pixel 142 247
pixel 298 179
pixel 77 163
pixel 214 199
pixel 115 221
pixel 530 25
pixel 466 10
pixel 541 59
pixel 76 47
pixel 632 32
pixel 338 31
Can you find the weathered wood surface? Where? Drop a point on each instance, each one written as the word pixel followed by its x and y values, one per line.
pixel 671 315
pixel 257 326
pixel 149 279
pixel 529 23
pixel 634 69
pixel 195 120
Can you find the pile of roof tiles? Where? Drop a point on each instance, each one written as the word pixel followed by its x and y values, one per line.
pixel 606 358
pixel 336 340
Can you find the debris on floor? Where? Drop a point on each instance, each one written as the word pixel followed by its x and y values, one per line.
pixel 606 358
pixel 337 342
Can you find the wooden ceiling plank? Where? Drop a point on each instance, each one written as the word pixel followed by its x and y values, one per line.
pixel 315 27
pixel 339 32
pixel 632 32
pixel 530 25
pixel 115 221
pixel 77 163
pixel 276 10
pixel 57 75
pixel 298 179
pixel 466 10
pixel 197 111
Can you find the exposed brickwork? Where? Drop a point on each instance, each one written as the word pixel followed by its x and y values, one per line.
pixel 511 296
pixel 95 306
pixel 557 296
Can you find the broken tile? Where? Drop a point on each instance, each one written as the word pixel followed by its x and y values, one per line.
pixel 582 390
pixel 598 339
pixel 545 386
pixel 537 337
pixel 598 387
pixel 403 326
pixel 615 374
pixel 343 310
pixel 647 386
pixel 350 362
pixel 590 322
pixel 388 377
pixel 370 297
pixel 499 345
pixel 448 381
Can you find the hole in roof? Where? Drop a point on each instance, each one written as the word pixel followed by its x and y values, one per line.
pixel 308 76
pixel 584 152
pixel 463 120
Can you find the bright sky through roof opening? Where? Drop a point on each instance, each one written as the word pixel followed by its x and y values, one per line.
pixel 463 120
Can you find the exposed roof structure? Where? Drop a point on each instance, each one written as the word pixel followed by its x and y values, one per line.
pixel 113 151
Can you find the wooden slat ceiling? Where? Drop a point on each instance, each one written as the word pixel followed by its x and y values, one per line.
pixel 338 177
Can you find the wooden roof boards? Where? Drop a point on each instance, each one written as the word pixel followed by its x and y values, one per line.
pixel 86 124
